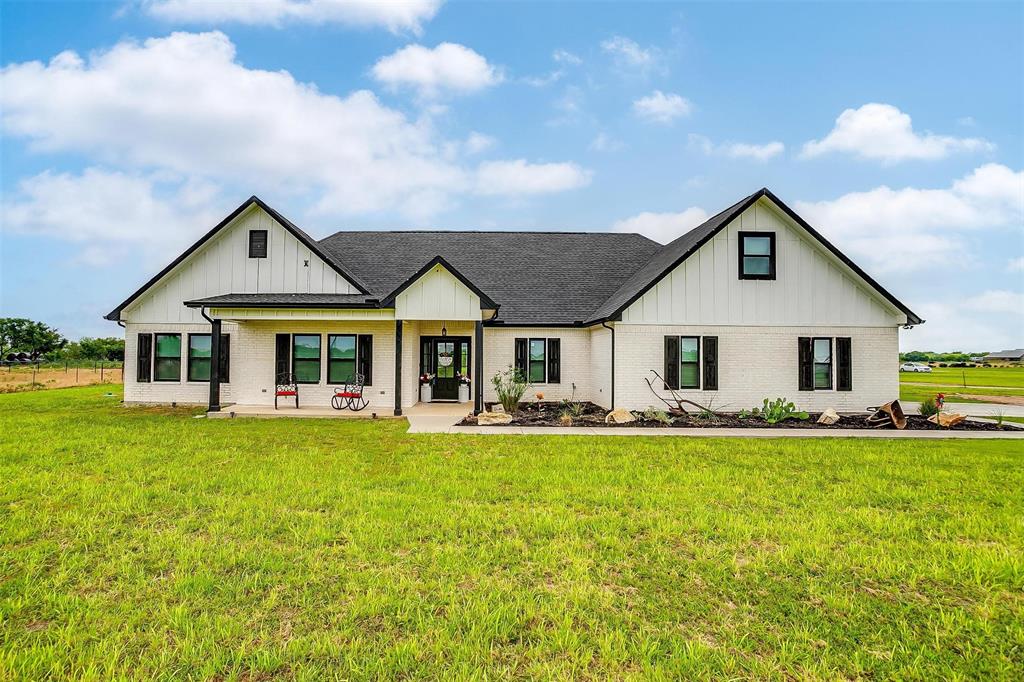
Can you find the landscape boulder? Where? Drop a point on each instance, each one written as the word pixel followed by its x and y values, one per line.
pixel 947 419
pixel 619 416
pixel 828 417
pixel 493 418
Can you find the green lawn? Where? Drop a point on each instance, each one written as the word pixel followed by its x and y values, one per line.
pixel 1007 377
pixel 143 543
pixel 996 381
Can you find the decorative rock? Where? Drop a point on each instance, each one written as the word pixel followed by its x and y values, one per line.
pixel 619 416
pixel 947 419
pixel 828 417
pixel 493 418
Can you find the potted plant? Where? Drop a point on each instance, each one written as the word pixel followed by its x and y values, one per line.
pixel 426 390
pixel 463 388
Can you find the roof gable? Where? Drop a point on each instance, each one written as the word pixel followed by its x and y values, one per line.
pixel 304 239
pixel 676 252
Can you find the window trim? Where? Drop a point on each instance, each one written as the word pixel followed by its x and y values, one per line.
pixel 355 368
pixel 740 249
pixel 319 359
pixel 697 363
pixel 225 339
pixel 266 243
pixel 157 356
pixel 543 361
pixel 831 364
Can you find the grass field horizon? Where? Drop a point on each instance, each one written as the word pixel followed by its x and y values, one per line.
pixel 142 543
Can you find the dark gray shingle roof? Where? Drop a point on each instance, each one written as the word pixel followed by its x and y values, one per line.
pixel 284 300
pixel 536 277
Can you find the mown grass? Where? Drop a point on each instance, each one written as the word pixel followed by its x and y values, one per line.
pixel 1006 377
pixel 919 393
pixel 143 543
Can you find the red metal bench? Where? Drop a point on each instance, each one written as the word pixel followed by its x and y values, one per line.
pixel 286 387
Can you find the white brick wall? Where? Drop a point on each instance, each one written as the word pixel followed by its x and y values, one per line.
pixel 757 363
pixel 754 363
pixel 185 392
pixel 499 353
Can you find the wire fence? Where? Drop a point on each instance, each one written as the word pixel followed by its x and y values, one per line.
pixel 20 376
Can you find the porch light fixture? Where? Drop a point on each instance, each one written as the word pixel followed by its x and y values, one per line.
pixel 444 330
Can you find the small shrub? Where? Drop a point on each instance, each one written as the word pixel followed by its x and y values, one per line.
pixel 928 407
pixel 509 385
pixel 775 411
pixel 655 415
pixel 571 407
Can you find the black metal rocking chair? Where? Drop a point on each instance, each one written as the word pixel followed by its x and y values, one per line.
pixel 350 395
pixel 286 388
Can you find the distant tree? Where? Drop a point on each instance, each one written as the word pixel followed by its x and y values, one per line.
pixel 21 335
pixel 110 348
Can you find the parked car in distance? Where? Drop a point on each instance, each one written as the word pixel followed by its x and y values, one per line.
pixel 914 367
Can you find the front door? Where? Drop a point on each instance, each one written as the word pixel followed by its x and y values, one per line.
pixel 447 361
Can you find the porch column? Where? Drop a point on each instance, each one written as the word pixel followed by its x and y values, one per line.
pixel 478 370
pixel 214 366
pixel 398 368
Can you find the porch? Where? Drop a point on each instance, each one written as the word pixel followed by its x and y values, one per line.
pixel 423 417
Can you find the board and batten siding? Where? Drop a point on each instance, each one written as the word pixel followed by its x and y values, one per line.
pixel 812 287
pixel 223 266
pixel 437 295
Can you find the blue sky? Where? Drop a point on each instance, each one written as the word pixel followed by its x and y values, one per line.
pixel 129 129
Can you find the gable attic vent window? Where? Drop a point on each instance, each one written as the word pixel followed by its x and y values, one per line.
pixel 257 243
pixel 757 255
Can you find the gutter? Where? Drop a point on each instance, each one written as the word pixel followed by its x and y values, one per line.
pixel 612 330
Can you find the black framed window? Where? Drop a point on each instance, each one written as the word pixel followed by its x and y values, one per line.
pixel 200 348
pixel 306 358
pixel 822 350
pixel 757 255
pixel 257 243
pixel 538 361
pixel 341 358
pixel 200 353
pixel 167 357
pixel 689 362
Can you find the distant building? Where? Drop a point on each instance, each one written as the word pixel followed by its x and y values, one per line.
pixel 1007 355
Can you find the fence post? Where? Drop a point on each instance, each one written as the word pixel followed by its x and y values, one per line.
pixel 35 368
pixel 76 374
pixel 101 372
pixel 65 366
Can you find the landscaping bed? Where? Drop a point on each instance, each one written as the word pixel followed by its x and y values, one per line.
pixel 549 414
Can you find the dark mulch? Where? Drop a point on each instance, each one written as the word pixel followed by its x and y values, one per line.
pixel 549 413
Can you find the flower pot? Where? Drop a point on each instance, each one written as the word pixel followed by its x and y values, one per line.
pixel 463 393
pixel 426 394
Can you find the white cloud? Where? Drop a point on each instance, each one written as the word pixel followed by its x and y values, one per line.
pixel 912 229
pixel 395 15
pixel 989 321
pixel 561 57
pixel 521 178
pixel 627 53
pixel 997 301
pixel 605 143
pixel 106 210
pixel 449 67
pixel 737 150
pixel 1016 264
pixel 883 132
pixel 566 57
pixel 661 107
pixel 184 104
pixel 478 142
pixel 662 227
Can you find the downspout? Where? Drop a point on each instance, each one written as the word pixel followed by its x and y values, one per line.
pixel 214 403
pixel 612 330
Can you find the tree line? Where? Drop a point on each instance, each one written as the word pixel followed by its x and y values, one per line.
pixel 41 342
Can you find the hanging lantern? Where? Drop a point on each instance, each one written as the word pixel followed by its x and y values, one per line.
pixel 444 330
